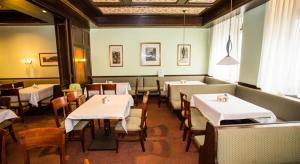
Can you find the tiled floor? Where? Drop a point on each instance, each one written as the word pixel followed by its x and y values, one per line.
pixel 164 143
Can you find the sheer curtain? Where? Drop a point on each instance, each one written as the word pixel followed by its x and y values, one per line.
pixel 219 37
pixel 280 59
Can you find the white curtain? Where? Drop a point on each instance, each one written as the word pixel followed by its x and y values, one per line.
pixel 280 59
pixel 219 37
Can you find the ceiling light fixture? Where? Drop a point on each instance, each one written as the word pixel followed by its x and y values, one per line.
pixel 228 60
pixel 44 11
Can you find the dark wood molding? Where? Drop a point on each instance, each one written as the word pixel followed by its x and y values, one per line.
pixel 28 78
pixel 143 20
pixel 222 7
pixel 15 17
pixel 100 4
pixel 248 85
pixel 28 8
pixel 148 75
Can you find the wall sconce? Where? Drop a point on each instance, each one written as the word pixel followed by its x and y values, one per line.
pixel 26 61
pixel 80 60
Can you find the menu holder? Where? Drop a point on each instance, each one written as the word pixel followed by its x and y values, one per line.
pixel 105 100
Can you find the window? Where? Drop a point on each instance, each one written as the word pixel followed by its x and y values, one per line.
pixel 219 37
pixel 279 70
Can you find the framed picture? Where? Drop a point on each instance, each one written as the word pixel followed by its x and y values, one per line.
pixel 183 54
pixel 116 55
pixel 48 59
pixel 150 54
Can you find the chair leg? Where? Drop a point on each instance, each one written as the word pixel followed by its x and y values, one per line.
pixel 21 113
pixel 92 128
pixel 185 131
pixel 12 133
pixel 181 123
pixel 117 143
pixel 142 140
pixel 189 140
pixel 99 123
pixel 82 139
pixel 159 102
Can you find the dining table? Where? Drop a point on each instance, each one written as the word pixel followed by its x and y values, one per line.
pixel 181 82
pixel 233 108
pixel 98 107
pixel 35 93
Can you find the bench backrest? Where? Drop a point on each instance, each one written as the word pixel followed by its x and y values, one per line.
pixel 189 90
pixel 284 108
pixel 273 143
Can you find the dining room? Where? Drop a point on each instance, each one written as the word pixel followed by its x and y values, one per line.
pixel 149 81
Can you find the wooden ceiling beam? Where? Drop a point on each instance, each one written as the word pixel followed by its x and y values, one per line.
pixel 11 17
pixel 122 20
pixel 111 4
pixel 182 2
pixel 222 7
pixel 28 8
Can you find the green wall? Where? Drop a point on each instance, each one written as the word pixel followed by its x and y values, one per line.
pixel 131 38
pixel 253 27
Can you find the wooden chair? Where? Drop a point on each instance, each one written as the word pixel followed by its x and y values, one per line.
pixel 18 85
pixel 73 100
pixel 93 87
pixel 57 92
pixel 206 144
pixel 195 123
pixel 182 96
pixel 18 105
pixel 79 128
pixel 6 86
pixel 42 137
pixel 109 87
pixel 7 124
pixel 135 126
pixel 136 92
pixel 3 136
pixel 86 161
pixel 162 95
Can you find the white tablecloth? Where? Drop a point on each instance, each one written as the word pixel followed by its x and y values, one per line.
pixel 118 107
pixel 234 109
pixel 6 114
pixel 122 89
pixel 35 94
pixel 181 83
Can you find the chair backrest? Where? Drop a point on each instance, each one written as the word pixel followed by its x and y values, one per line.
pixel 58 103
pixel 12 92
pixel 76 87
pixel 158 87
pixel 73 97
pixel 5 102
pixel 3 136
pixel 57 91
pixel 93 87
pixel 19 84
pixel 136 86
pixel 187 111
pixel 144 108
pixel 6 86
pixel 182 95
pixel 109 87
pixel 42 137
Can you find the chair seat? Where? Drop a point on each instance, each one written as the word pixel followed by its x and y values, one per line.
pixel 135 112
pixel 5 124
pixel 194 111
pixel 79 126
pixel 133 124
pixel 199 140
pixel 16 104
pixel 198 122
